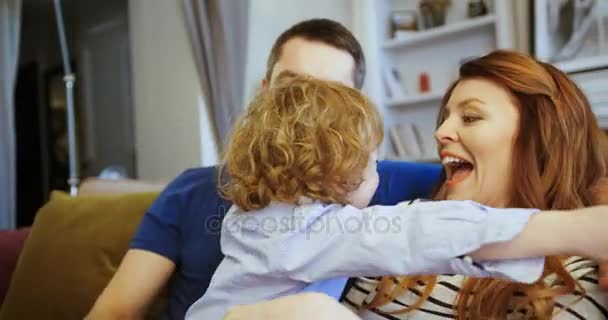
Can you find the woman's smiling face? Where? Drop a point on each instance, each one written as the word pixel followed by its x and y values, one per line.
pixel 476 140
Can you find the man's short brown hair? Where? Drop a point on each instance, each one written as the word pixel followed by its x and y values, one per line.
pixel 327 31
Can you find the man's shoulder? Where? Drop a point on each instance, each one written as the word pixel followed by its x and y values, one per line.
pixel 192 180
pixel 184 220
pixel 194 188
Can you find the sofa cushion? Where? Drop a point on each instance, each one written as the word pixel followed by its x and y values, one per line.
pixel 74 247
pixel 11 244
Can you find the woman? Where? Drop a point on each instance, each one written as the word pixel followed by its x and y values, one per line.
pixel 525 136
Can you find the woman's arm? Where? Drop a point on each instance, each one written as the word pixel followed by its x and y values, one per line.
pixel 304 306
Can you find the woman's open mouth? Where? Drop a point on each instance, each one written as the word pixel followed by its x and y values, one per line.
pixel 456 169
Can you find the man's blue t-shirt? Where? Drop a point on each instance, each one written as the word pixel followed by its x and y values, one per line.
pixel 184 223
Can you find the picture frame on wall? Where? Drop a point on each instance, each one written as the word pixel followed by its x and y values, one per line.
pixel 573 34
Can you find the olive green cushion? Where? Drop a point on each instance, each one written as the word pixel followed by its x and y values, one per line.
pixel 74 248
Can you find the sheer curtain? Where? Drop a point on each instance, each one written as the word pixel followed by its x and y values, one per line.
pixel 218 32
pixel 10 24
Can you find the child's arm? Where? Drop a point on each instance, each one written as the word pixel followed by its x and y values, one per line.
pixel 574 232
pixel 319 242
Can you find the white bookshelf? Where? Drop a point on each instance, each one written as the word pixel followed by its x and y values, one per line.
pixel 439 32
pixel 593 82
pixel 438 52
pixel 583 64
pixel 589 67
pixel 591 75
pixel 415 99
pixel 424 159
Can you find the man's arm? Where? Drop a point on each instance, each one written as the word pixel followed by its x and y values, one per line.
pixel 149 263
pixel 134 286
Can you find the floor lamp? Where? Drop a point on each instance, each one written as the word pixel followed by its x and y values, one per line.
pixel 69 78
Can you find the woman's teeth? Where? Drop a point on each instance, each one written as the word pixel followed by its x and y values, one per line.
pixel 449 160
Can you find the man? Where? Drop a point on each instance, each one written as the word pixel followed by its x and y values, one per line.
pixel 180 232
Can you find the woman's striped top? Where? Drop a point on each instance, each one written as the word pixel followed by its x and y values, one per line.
pixel 592 305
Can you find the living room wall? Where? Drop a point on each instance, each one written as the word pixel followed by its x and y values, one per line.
pixel 96 34
pixel 268 18
pixel 166 89
pixel 166 92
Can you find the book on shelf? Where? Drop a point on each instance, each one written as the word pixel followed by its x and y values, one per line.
pixel 393 84
pixel 406 141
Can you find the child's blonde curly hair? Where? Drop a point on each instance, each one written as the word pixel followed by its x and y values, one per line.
pixel 302 137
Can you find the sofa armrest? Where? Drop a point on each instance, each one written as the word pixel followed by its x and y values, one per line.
pixel 98 186
pixel 11 244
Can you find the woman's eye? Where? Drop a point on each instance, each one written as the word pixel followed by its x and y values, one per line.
pixel 470 119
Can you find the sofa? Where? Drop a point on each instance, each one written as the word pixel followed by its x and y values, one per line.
pixel 11 243
pixel 76 244
pixel 42 268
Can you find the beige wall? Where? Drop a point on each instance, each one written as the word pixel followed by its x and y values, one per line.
pixel 521 22
pixel 166 88
pixel 166 91
pixel 268 18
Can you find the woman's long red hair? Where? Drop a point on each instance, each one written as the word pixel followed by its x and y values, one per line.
pixel 559 162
